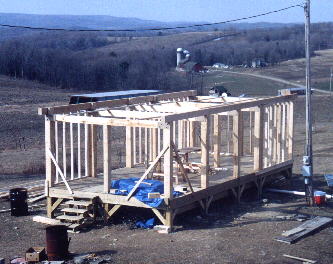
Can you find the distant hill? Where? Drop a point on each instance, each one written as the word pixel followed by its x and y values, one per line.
pixel 108 22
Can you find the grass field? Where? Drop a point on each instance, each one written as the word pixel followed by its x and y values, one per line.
pixel 294 70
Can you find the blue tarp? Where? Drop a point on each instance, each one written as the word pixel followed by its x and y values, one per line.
pixel 124 186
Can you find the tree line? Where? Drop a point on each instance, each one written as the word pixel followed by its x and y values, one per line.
pixel 59 59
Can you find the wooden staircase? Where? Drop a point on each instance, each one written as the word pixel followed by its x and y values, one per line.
pixel 78 214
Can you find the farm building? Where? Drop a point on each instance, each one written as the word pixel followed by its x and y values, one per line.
pixel 182 151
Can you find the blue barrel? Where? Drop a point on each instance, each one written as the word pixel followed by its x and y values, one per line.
pixel 18 201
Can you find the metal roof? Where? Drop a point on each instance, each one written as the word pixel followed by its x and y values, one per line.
pixel 118 93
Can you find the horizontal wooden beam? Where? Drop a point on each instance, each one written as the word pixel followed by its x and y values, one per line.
pixel 106 121
pixel 228 107
pixel 64 109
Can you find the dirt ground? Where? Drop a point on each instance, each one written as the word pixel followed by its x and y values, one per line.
pixel 231 233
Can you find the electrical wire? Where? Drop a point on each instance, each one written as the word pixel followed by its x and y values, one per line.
pixel 153 29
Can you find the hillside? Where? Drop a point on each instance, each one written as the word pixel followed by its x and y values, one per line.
pixel 108 22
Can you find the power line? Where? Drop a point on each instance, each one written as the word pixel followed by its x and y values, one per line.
pixel 153 29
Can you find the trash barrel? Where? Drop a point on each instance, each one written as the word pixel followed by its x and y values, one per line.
pixel 57 242
pixel 18 201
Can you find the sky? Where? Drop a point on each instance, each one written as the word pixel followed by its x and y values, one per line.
pixel 174 10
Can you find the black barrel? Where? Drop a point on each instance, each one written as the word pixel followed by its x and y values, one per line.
pixel 18 201
pixel 57 242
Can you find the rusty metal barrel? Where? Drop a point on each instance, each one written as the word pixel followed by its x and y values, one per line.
pixel 18 201
pixel 57 242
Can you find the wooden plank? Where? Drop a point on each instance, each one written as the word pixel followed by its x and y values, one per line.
pixel 92 120
pixel 93 151
pixel 72 149
pixel 152 165
pixel 112 103
pixel 278 132
pixel 49 153
pixel 227 107
pixel 283 132
pixel 64 150
pixel 134 146
pixel 159 215
pixel 305 261
pixel 290 129
pixel 56 139
pixel 168 161
pixel 310 227
pixel 129 147
pixel 205 132
pixel 259 138
pixel 87 150
pixel 270 136
pixel 217 140
pixel 45 220
pixel 49 145
pixel 237 142
pixel 79 150
pixel 106 158
pixel 140 145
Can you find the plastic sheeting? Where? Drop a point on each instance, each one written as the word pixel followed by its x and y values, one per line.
pixel 124 186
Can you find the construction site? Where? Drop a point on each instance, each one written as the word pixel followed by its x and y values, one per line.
pixel 236 168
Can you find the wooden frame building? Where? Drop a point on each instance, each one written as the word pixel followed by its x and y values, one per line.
pixel 205 147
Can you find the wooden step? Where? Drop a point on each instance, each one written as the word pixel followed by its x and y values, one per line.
pixel 72 218
pixel 74 210
pixel 79 203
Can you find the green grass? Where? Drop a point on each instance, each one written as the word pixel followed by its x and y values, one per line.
pixel 239 84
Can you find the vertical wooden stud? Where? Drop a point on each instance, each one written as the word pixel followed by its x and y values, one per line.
pixel 129 147
pixel 217 140
pixel 205 140
pixel 49 144
pixel 259 138
pixel 106 158
pixel 237 142
pixel 290 129
pixel 168 162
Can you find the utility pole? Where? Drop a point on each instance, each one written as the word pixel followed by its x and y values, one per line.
pixel 331 79
pixel 307 168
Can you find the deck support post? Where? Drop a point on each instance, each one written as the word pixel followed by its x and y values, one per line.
pixel 259 138
pixel 205 132
pixel 217 140
pixel 106 158
pixel 129 147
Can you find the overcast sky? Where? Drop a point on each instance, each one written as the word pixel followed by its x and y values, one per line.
pixel 173 10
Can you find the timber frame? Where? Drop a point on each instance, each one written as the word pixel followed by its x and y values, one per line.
pixel 253 136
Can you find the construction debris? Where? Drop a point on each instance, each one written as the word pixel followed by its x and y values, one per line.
pixel 307 228
pixel 300 259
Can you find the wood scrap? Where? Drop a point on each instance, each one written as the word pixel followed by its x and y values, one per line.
pixel 300 259
pixel 154 195
pixel 36 199
pixel 309 227
pixel 45 220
